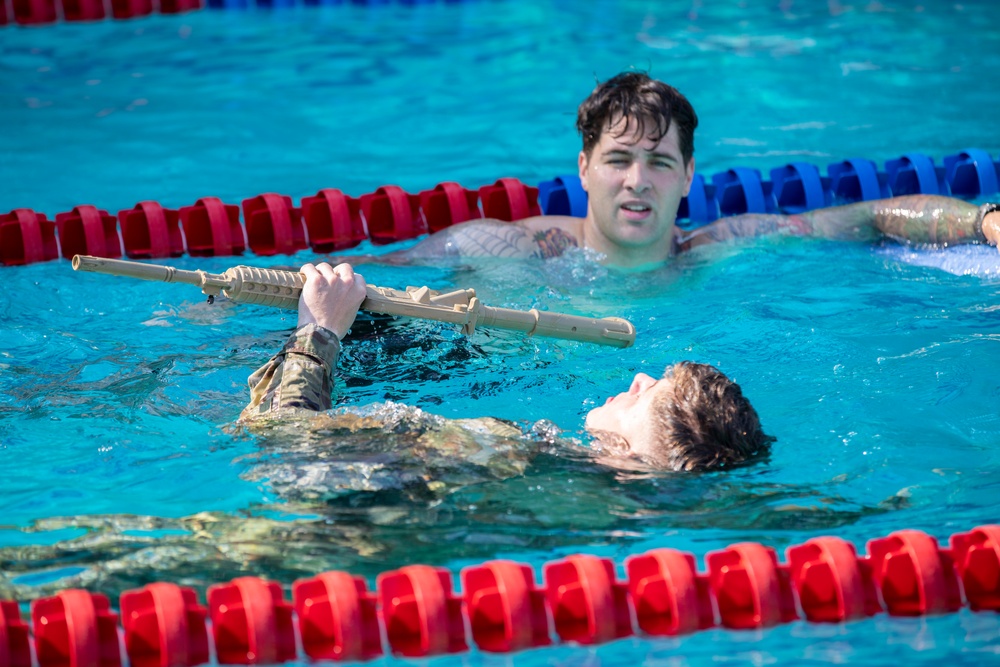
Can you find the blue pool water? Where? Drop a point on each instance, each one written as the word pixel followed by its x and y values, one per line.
pixel 876 367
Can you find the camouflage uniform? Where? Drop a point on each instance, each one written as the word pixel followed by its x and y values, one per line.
pixel 300 375
pixel 314 453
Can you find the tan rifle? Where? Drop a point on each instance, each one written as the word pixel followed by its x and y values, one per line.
pixel 281 289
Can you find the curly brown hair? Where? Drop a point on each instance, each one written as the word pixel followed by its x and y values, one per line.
pixel 704 421
pixel 639 99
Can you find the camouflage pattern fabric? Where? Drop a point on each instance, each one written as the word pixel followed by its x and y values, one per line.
pixel 300 375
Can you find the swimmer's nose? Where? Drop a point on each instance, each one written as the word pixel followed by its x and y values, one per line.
pixel 641 383
pixel 636 177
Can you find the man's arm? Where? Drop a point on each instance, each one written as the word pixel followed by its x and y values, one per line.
pixel 540 237
pixel 913 218
pixel 300 375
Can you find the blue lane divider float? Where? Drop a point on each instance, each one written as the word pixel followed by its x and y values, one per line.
pixel 563 195
pixel 740 190
pixel 972 173
pixel 915 173
pixel 798 187
pixel 700 206
pixel 857 179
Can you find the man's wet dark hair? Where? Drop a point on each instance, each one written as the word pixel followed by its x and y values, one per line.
pixel 640 100
pixel 704 422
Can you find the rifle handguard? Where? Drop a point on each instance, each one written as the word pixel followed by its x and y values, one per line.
pixel 281 289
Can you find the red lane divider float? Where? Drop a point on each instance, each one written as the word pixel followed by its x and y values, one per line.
pixel 212 228
pixel 75 628
pixel 251 622
pixel 27 237
pixel 833 585
pixel 150 231
pixel 164 627
pixel 588 605
pixel 421 615
pixel 333 221
pixel 669 595
pixel 179 6
pixel 34 12
pixel 87 230
pixel 392 215
pixel 448 204
pixel 914 576
pixel 337 617
pixel 751 589
pixel 509 199
pixel 502 610
pixel 273 225
pixel 83 10
pixel 506 611
pixel 127 9
pixel 15 650
pixel 976 556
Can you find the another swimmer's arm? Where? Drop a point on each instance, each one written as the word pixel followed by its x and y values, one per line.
pixel 914 218
pixel 301 374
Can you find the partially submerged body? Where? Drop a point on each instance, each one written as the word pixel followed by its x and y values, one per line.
pixel 637 164
pixel 918 219
pixel 315 452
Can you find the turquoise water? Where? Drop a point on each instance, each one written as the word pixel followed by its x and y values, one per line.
pixel 874 366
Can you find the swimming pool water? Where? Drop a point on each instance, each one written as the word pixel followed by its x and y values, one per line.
pixel 875 367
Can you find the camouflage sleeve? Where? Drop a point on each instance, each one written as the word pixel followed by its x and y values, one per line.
pixel 300 375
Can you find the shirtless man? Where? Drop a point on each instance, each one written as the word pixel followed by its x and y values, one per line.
pixel 693 418
pixel 637 164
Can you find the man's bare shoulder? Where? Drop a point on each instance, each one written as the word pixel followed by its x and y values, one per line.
pixel 553 234
pixel 540 236
pixel 543 223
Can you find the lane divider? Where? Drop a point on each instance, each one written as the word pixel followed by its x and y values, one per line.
pixel 331 221
pixel 35 12
pixel 38 12
pixel 414 612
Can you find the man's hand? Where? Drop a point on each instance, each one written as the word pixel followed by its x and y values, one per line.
pixel 331 297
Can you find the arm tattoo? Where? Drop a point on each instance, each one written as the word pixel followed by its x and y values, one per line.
pixel 928 219
pixel 553 242
pixel 747 225
pixel 492 238
pixel 913 218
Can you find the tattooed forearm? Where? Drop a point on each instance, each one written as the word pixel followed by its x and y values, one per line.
pixel 746 226
pixel 914 218
pixel 928 219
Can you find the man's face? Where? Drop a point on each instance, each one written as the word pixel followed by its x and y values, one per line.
pixel 630 413
pixel 635 186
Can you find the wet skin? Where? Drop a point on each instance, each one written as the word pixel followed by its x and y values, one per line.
pixel 630 413
pixel 635 185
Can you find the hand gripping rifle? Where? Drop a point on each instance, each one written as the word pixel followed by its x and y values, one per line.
pixel 281 289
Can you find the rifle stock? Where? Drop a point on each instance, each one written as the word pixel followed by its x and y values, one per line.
pixel 281 289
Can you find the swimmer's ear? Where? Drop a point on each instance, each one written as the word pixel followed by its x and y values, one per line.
pixel 583 161
pixel 690 176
